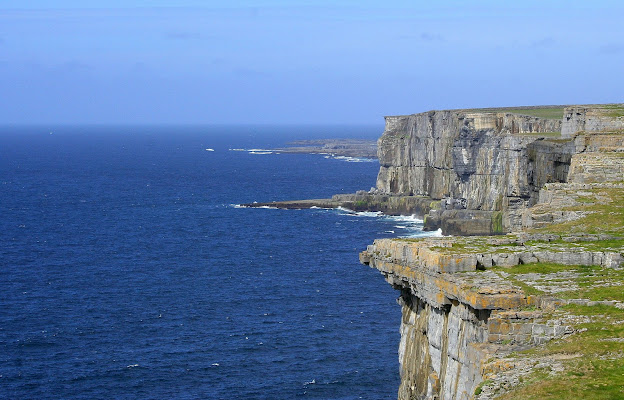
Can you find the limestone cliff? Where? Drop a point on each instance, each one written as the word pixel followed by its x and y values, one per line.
pixel 460 154
pixel 495 161
pixel 592 119
pixel 463 308
pixel 471 305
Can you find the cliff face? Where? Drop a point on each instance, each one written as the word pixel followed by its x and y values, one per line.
pixel 459 312
pixel 436 352
pixel 591 119
pixel 470 305
pixel 477 156
pixel 494 161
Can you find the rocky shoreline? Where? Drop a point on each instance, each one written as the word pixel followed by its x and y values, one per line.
pixel 534 200
pixel 358 148
pixel 528 294
pixel 480 312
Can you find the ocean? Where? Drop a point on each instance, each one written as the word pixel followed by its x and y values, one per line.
pixel 128 270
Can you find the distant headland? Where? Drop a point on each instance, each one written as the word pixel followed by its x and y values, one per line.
pixel 335 147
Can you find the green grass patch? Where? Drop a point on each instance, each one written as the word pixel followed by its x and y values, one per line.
pixel 543 134
pixel 585 199
pixel 605 217
pixel 596 379
pixel 497 222
pixel 360 204
pixel 601 310
pixel 543 268
pixel 540 112
pixel 594 282
pixel 592 359
pixel 479 388
pixel 547 113
pixel 613 110
pixel 616 245
pixel 527 289
pixel 598 284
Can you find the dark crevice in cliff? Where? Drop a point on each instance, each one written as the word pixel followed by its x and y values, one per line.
pixel 461 312
pixel 444 349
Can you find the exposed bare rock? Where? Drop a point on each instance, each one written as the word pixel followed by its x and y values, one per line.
pixel 467 305
pixel 336 147
pixel 594 118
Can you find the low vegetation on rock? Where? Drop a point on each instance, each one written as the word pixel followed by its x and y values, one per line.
pixel 536 313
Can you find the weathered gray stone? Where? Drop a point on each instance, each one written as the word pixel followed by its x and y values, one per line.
pixel 456 317
pixel 589 119
pixel 483 159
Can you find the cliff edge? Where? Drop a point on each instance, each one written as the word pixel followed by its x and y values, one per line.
pixel 485 167
pixel 537 311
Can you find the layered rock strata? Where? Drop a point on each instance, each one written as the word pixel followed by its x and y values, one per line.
pixel 458 154
pixel 496 161
pixel 362 201
pixel 459 312
pixel 465 309
pixel 594 118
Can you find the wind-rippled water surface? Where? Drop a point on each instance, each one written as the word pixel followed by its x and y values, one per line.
pixel 127 271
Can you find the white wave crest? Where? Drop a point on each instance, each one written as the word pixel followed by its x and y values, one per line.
pixel 371 214
pixel 408 218
pixel 354 159
pixel 254 151
pixel 421 233
pixel 360 213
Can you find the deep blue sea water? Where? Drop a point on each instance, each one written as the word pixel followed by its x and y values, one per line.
pixel 127 271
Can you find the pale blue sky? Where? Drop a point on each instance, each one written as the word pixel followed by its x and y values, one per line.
pixel 272 61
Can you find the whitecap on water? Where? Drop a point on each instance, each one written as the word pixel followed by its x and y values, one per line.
pixel 243 206
pixel 360 213
pixel 437 233
pixel 354 159
pixel 408 218
pixel 410 225
pixel 252 151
